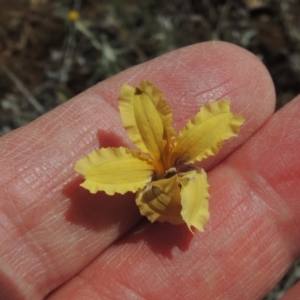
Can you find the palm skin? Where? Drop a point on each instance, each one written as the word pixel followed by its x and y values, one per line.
pixel 58 241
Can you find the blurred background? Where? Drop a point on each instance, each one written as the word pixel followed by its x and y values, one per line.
pixel 51 50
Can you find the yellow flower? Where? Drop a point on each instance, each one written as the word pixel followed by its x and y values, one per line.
pixel 73 15
pixel 169 188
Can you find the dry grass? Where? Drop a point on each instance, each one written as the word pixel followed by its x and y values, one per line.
pixel 46 58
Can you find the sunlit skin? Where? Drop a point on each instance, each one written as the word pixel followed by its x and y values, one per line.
pixel 61 242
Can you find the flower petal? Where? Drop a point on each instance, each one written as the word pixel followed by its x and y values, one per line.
pixel 160 201
pixel 194 199
pixel 147 118
pixel 204 134
pixel 115 170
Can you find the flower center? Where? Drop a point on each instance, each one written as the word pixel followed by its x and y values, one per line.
pixel 171 172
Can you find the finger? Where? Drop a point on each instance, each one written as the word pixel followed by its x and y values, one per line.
pixel 252 238
pixel 293 293
pixel 58 226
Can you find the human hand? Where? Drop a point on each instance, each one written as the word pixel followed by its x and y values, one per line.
pixel 58 238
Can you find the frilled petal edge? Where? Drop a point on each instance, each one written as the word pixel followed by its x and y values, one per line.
pixel 204 134
pixel 194 199
pixel 115 170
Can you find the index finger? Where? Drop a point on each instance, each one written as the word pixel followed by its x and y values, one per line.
pixel 60 227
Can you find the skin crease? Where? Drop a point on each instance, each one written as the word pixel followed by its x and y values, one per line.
pixel 61 242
